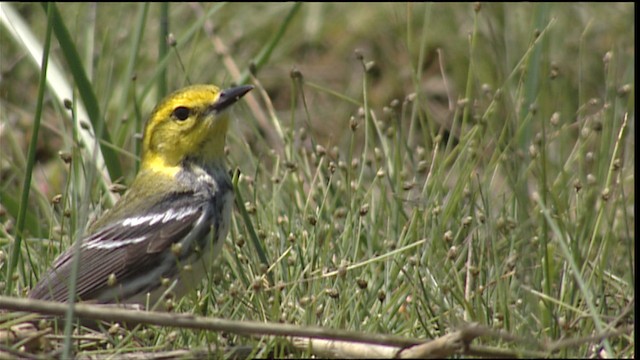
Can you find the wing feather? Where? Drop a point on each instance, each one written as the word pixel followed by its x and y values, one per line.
pixel 125 248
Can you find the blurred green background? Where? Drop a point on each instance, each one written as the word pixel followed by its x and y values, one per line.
pixel 374 126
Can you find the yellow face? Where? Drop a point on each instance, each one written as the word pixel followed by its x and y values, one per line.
pixel 186 123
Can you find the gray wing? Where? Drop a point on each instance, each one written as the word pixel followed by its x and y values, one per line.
pixel 126 248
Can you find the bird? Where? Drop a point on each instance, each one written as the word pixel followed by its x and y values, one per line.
pixel 168 227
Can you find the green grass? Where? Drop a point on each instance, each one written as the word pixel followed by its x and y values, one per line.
pixel 405 168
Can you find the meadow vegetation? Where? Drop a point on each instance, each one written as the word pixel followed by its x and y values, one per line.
pixel 403 168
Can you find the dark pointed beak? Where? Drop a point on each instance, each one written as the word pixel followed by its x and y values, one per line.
pixel 229 96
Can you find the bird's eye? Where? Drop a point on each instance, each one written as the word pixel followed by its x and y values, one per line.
pixel 181 113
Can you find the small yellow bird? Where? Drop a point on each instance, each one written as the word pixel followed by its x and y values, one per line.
pixel 173 219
